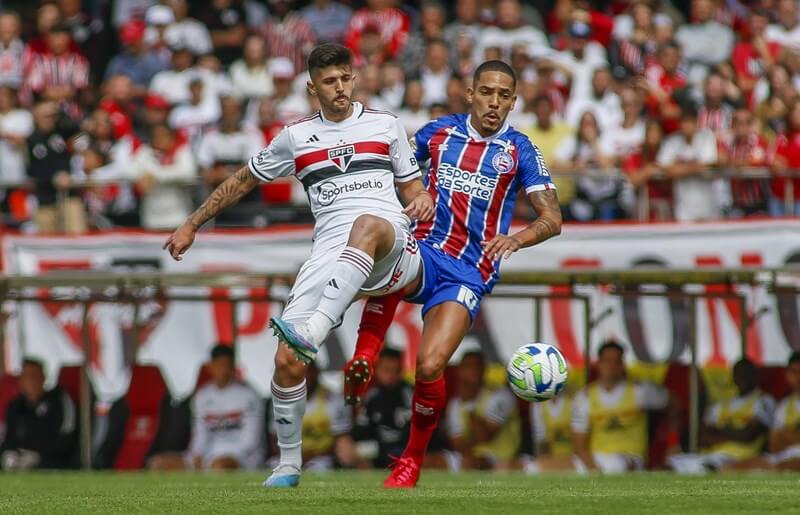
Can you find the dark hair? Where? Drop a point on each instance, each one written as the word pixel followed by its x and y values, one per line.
pixel 610 344
pixel 389 353
pixel 794 358
pixel 495 66
pixel 472 354
pixel 329 54
pixel 745 366
pixel 689 111
pixel 33 362
pixel 542 98
pixel 220 350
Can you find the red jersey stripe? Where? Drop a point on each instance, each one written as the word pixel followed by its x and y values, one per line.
pixel 458 235
pixel 317 156
pixel 424 229
pixel 485 263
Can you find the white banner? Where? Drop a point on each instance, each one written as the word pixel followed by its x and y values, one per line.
pixel 177 335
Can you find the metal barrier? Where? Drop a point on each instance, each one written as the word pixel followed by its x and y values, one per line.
pixel 87 288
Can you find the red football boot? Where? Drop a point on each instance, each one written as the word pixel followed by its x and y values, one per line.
pixel 405 474
pixel 357 373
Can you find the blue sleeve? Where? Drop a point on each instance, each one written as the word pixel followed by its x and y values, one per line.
pixel 532 170
pixel 422 138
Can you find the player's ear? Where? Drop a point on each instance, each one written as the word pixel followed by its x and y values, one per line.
pixel 513 102
pixel 311 88
pixel 470 93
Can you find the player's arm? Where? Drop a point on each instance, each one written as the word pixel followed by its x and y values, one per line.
pixel 580 446
pixel 412 192
pixel 580 427
pixel 783 438
pixel 418 202
pixel 546 225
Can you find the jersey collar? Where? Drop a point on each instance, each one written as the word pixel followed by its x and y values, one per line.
pixel 358 110
pixel 476 135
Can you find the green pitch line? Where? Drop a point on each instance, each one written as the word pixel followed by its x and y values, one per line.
pixel 439 493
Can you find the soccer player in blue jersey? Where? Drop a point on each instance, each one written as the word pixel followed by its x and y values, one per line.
pixel 477 164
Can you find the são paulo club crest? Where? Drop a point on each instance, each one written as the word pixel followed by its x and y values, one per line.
pixel 503 162
pixel 341 156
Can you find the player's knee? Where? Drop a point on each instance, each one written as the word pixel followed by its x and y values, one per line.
pixel 366 226
pixel 430 367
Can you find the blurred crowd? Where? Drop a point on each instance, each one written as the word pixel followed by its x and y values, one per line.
pixel 613 424
pixel 119 113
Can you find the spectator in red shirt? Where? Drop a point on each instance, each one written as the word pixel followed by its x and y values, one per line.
pixel 716 113
pixel 631 51
pixel 643 171
pixel 743 149
pixel 754 56
pixel 393 24
pixel 288 34
pixel 787 159
pixel 661 81
pixel 118 103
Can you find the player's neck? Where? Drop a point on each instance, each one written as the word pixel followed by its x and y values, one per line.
pixel 337 117
pixel 474 122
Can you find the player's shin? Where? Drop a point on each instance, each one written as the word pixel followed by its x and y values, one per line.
pixel 289 406
pixel 351 271
pixel 426 407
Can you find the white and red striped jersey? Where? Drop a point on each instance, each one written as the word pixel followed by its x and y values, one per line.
pixel 348 168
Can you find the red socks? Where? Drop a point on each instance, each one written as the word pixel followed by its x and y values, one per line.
pixel 426 406
pixel 375 321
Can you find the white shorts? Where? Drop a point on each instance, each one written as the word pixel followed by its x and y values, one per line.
pixel 699 463
pixel 392 273
pixel 611 463
pixel 790 453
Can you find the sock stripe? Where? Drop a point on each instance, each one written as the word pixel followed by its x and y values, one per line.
pixel 361 257
pixel 360 265
pixel 288 394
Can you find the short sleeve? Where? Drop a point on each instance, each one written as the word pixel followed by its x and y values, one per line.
pixel 499 407
pixel 666 155
pixel 404 162
pixel 422 139
pixel 764 410
pixel 712 415
pixel 532 169
pixel 277 160
pixel 455 421
pixel 650 396
pixel 779 420
pixel 580 413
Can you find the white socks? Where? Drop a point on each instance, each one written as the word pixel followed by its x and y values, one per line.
pixel 288 407
pixel 351 271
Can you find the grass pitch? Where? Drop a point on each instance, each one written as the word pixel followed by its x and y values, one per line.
pixel 439 493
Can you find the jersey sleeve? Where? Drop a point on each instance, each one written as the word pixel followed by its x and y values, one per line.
pixel 580 413
pixel 276 160
pixel 422 139
pixel 712 415
pixel 454 425
pixel 764 410
pixel 650 396
pixel 404 162
pixel 779 420
pixel 532 169
pixel 498 408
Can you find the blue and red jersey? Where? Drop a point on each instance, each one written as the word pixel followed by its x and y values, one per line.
pixel 474 183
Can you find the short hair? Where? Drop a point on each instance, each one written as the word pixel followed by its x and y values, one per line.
pixel 329 54
pixel 34 362
pixel 746 366
pixel 610 344
pixel 472 354
pixel 538 99
pixel 669 44
pixel 689 111
pixel 495 66
pixel 389 353
pixel 794 358
pixel 221 351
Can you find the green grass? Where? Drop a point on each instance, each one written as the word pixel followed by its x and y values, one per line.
pixel 439 493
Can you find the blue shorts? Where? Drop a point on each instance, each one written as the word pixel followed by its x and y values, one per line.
pixel 446 279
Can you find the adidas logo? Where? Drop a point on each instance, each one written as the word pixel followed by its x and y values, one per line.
pixel 312 139
pixel 423 410
pixel 332 283
pixel 283 421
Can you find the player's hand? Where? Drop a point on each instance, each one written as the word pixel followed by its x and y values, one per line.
pixel 180 241
pixel 501 246
pixel 421 207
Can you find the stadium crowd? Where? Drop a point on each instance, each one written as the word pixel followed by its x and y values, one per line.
pixel 613 424
pixel 115 113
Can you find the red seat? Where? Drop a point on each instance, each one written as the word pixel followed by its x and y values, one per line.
pixel 69 379
pixel 144 397
pixel 9 388
pixel 773 381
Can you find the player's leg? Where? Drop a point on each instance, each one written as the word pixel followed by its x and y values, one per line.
pixel 444 326
pixel 371 238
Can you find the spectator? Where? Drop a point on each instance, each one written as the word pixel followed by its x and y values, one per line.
pixel 381 18
pixel 509 31
pixel 268 124
pixel 644 173
pixel 15 126
pixel 173 435
pixel 435 73
pixel 225 20
pixel 328 19
pixel 413 114
pixel 483 425
pixel 48 160
pixel 196 116
pixel 60 73
pixel 716 113
pixel 87 32
pixel 157 19
pixel 705 41
pixel 250 76
pixel 753 55
pixel 463 33
pixel 326 427
pixel 290 106
pixel 118 102
pixel 40 425
pixel 782 93
pixel 135 61
pixel 393 85
pixel 11 50
pixel 580 61
pixel 609 416
pixel 227 420
pixel 686 156
pixel 548 83
pixel 733 430
pixel 431 20
pixel 787 31
pixel 382 421
pixel 457 95
pixel 186 31
pixel 746 148
pixel 155 111
pixel 552 436
pixel 623 139
pixel 221 153
pixel 173 84
pixel 784 437
pixel 787 159
pixel 599 99
pixel 288 34
pixel 216 80
pixel 123 11
pixel 166 159
pixel 634 44
pixel 663 81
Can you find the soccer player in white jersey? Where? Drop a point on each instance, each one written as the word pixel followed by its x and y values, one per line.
pixel 350 160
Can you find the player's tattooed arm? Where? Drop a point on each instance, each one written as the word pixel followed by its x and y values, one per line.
pixel 546 225
pixel 228 193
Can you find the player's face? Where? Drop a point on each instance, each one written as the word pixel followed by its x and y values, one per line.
pixel 793 376
pixel 221 370
pixel 333 87
pixel 31 382
pixel 610 368
pixel 491 97
pixel 388 372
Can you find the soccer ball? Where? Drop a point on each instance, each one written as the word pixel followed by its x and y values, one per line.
pixel 537 372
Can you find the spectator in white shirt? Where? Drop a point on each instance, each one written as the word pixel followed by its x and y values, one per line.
pixel 250 76
pixel 600 99
pixel 626 137
pixel 15 126
pixel 196 116
pixel 173 84
pixel 579 62
pixel 413 114
pixel 465 31
pixel 705 41
pixel 509 31
pixel 686 156
pixel 168 158
pixel 394 85
pixel 435 73
pixel 290 106
pixel 11 50
pixel 371 86
pixel 187 31
pixel 787 31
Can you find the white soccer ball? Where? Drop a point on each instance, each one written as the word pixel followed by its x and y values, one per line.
pixel 537 372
